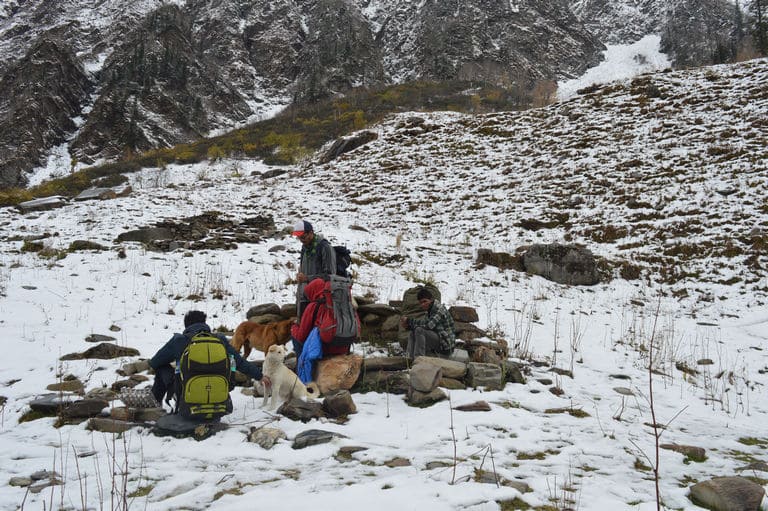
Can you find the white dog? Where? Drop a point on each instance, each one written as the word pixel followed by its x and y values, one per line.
pixel 285 384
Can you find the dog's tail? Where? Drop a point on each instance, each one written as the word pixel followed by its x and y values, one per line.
pixel 312 389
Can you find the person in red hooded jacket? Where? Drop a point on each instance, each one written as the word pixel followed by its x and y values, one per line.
pixel 318 313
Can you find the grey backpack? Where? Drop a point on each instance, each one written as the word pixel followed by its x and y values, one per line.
pixel 336 317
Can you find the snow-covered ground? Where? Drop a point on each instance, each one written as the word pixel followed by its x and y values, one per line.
pixel 434 199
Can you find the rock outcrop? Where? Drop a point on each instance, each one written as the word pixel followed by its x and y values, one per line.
pixel 42 93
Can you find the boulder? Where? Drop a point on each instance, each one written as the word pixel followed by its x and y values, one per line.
pixel 379 309
pixel 103 393
pixel 338 373
pixel 99 338
pixel 500 346
pixel 501 260
pixel 75 386
pixel 425 376
pixel 339 404
pixel 119 385
pixel 314 437
pixel 468 331
pixel 345 453
pixel 288 310
pixel 451 384
pixel 459 355
pixel 691 452
pixel 43 475
pixel 303 411
pixel 84 408
pixel 103 351
pixel 108 425
pixel 122 413
pixel 487 376
pixel 391 382
pixel 272 173
pixel 96 194
pixel 346 144
pixel 728 494
pixel 265 318
pixel 78 245
pixel 146 235
pixel 389 329
pixel 42 204
pixel 51 404
pixel 450 368
pixel 422 399
pixel 512 372
pixel 20 481
pixel 564 264
pixel 148 414
pixel 477 406
pixel 485 355
pixel 266 437
pixel 385 364
pixel 265 308
pixel 134 367
pixel 371 320
pixel 464 314
pixel 42 484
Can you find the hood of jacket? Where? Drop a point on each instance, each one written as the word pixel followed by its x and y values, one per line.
pixel 196 328
pixel 314 289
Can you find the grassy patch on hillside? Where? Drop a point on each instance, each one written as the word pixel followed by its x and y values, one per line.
pixel 293 134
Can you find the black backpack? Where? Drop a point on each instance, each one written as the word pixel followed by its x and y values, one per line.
pixel 343 260
pixel 204 379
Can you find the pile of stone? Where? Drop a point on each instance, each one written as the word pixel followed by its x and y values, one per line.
pixel 477 362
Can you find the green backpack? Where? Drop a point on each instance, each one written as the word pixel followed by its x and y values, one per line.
pixel 205 377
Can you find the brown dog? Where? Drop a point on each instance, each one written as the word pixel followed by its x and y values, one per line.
pixel 249 335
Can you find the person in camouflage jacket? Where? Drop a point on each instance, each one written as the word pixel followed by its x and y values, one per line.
pixel 433 334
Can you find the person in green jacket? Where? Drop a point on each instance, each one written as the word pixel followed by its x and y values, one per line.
pixel 433 334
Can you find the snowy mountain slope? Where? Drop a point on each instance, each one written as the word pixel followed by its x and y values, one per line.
pixel 162 73
pixel 689 144
pixel 617 176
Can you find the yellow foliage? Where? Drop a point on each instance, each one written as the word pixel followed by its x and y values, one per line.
pixel 215 153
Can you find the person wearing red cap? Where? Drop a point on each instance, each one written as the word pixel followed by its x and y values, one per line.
pixel 318 260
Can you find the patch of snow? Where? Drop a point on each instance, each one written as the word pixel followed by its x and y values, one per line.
pixel 621 62
pixel 58 164
pixel 94 66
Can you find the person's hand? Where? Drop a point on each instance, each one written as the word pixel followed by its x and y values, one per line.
pixel 404 322
pixel 266 381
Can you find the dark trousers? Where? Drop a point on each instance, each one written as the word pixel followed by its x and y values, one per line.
pixel 422 342
pixel 162 388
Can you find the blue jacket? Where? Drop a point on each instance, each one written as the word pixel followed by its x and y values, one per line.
pixel 173 349
pixel 311 351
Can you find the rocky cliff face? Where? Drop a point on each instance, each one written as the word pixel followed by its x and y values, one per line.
pixel 42 95
pixel 167 72
pixel 158 89
pixel 498 41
